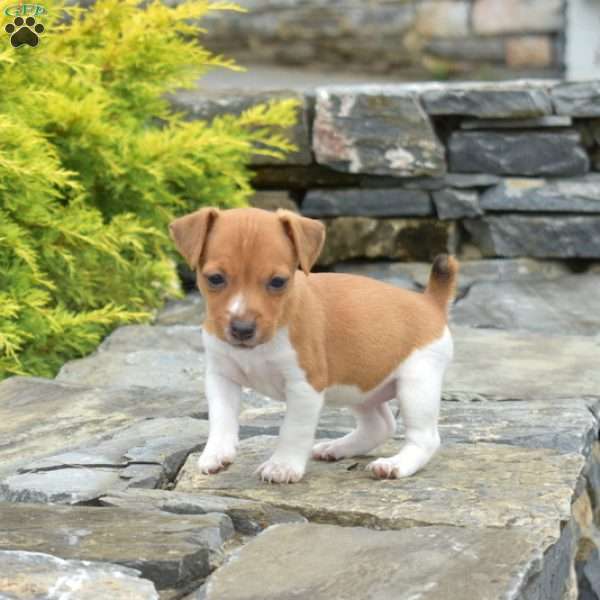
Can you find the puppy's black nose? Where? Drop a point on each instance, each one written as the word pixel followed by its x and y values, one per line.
pixel 242 330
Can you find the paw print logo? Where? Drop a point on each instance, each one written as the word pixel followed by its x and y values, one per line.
pixel 24 31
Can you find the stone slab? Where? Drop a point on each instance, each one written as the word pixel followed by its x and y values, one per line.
pixel 200 104
pixel 532 123
pixel 42 417
pixel 574 195
pixel 577 99
pixel 416 275
pixel 154 369
pixel 518 153
pixel 488 100
pixel 35 575
pixel 409 239
pixel 466 485
pixel 567 306
pixel 174 338
pixel 145 454
pixel 247 516
pixel 514 16
pixel 366 203
pixel 537 236
pixel 456 204
pixel 377 130
pixel 172 551
pixel 322 562
pixel 492 364
pixel 185 311
pixel 273 200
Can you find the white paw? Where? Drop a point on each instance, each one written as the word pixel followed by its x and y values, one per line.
pixel 329 451
pixel 213 460
pixel 278 471
pixel 388 468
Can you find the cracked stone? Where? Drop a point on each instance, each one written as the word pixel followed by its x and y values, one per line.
pixel 248 517
pixel 172 551
pixel 146 454
pixel 377 130
pixel 31 575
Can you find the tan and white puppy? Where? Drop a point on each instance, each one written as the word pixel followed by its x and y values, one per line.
pixel 313 338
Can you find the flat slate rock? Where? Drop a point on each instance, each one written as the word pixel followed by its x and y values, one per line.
pixel 456 204
pixel 533 123
pixel 42 417
pixel 156 369
pixel 491 364
pixel 416 275
pixel 172 551
pixel 34 575
pixel 577 99
pixel 506 101
pixel 145 454
pixel 566 306
pixel 174 338
pixel 463 485
pixel 199 104
pixel 537 236
pixel 185 311
pixel 518 153
pixel 377 130
pixel 367 203
pixel 248 517
pixel 574 195
pixel 323 562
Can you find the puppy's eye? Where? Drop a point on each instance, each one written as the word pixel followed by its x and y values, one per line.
pixel 216 281
pixel 277 283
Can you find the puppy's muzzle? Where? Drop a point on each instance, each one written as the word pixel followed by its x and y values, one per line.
pixel 242 331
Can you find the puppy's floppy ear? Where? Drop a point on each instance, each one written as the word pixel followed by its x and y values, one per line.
pixel 307 236
pixel 189 233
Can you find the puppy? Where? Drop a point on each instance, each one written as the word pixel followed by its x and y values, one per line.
pixel 308 339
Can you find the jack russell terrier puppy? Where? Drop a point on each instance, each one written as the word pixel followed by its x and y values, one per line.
pixel 308 339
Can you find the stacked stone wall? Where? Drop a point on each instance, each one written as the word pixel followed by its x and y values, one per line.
pixel 440 38
pixel 406 171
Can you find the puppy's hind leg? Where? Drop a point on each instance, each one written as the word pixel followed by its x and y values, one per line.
pixel 375 423
pixel 419 393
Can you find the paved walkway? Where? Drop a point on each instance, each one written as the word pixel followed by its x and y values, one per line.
pixel 100 493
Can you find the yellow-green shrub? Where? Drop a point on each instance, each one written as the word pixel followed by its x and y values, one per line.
pixel 93 165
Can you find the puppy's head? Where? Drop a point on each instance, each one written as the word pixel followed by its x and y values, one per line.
pixel 245 261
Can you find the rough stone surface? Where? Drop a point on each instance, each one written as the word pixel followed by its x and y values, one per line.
pixel 146 454
pixel 42 417
pixel 529 51
pixel 468 48
pixel 187 311
pixel 492 101
pixel 522 364
pixel 409 239
pixel 567 306
pixel 31 576
pixel 442 18
pixel 538 236
pixel 172 551
pixel 248 517
pixel 199 104
pixel 510 16
pixel 416 275
pixel 532 123
pixel 144 368
pixel 577 99
pixel 574 195
pixel 177 338
pixel 464 485
pixel 456 204
pixel 366 203
pixel 273 200
pixel 518 153
pixel 321 562
pixel 376 130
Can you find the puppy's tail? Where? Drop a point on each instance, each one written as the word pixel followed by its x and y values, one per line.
pixel 441 286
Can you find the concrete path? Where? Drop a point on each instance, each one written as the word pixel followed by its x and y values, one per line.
pixel 99 488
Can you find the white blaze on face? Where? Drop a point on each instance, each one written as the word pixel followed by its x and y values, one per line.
pixel 237 306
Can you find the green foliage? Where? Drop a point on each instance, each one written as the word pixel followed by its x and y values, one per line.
pixel 94 164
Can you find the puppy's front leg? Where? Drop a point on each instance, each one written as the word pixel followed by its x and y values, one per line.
pixel 296 436
pixel 224 398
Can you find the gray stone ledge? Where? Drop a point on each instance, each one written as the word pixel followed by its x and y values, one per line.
pixel 577 99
